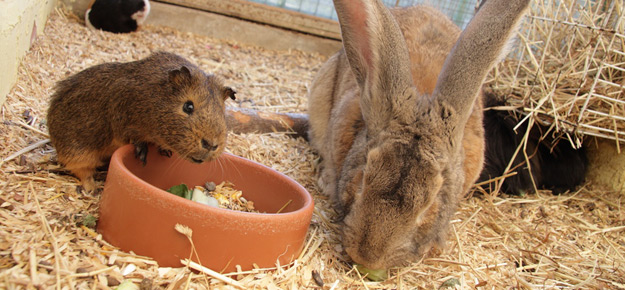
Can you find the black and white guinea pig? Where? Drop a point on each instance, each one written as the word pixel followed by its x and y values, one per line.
pixel 554 165
pixel 118 16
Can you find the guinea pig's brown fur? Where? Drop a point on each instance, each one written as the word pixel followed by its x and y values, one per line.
pixel 162 99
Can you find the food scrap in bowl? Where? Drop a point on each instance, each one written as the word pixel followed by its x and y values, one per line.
pixel 222 195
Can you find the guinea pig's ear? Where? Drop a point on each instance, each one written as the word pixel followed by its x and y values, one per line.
pixel 180 77
pixel 229 93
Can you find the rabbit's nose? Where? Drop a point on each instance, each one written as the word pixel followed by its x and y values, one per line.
pixel 209 146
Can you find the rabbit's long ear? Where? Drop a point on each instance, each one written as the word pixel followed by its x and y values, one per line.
pixel 479 47
pixel 378 56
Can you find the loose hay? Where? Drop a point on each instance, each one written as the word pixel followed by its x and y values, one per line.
pixel 568 69
pixel 535 241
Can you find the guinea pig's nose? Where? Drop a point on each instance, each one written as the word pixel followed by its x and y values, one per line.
pixel 209 146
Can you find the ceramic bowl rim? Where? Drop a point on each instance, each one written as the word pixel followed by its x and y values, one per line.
pixel 299 190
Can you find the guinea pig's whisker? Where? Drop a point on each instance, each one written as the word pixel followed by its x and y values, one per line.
pixel 221 166
pixel 208 177
pixel 234 165
pixel 176 163
pixel 172 166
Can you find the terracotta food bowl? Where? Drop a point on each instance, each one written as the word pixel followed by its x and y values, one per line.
pixel 137 214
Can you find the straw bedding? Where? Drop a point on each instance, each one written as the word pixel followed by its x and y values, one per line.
pixel 533 241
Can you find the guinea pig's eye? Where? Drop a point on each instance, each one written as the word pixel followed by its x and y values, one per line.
pixel 188 107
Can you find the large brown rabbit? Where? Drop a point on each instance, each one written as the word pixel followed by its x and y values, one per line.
pixel 398 122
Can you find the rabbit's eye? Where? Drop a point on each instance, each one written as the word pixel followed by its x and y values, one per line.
pixel 188 107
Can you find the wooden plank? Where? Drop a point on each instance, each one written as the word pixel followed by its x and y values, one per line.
pixel 266 14
pixel 216 25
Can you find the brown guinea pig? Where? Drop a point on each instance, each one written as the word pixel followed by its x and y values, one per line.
pixel 162 99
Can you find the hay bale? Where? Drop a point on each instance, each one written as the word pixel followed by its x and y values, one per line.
pixel 568 68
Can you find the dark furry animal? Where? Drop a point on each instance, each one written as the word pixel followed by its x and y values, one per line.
pixel 118 16
pixel 556 166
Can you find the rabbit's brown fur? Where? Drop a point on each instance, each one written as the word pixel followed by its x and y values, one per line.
pixel 101 108
pixel 396 119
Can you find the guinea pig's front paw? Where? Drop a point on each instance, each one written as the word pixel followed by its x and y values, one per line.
pixel 141 151
pixel 164 152
pixel 87 186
